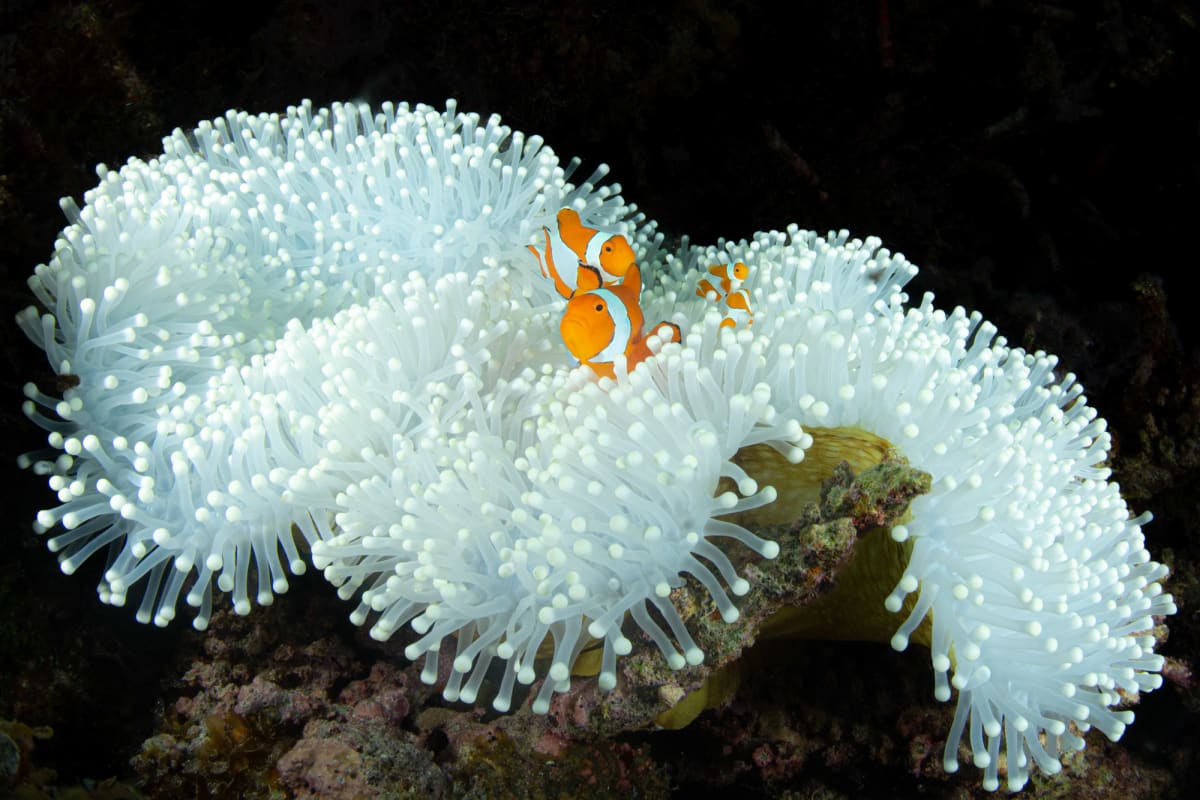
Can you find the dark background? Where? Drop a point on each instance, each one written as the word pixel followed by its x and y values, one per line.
pixel 1040 162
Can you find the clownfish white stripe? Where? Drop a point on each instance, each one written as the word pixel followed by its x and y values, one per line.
pixel 622 326
pixel 595 249
pixel 563 259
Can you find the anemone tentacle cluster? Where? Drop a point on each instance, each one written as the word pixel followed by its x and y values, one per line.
pixel 1025 558
pixel 327 322
pixel 181 270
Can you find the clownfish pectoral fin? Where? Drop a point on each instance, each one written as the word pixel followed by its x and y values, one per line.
pixel 632 281
pixel 587 279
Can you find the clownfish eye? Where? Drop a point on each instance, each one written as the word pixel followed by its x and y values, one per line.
pixel 599 306
pixel 608 248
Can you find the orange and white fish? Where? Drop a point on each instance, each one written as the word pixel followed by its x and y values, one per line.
pixel 575 245
pixel 728 290
pixel 604 320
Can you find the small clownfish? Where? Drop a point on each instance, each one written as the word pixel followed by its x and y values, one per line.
pixel 603 321
pixel 729 291
pixel 574 246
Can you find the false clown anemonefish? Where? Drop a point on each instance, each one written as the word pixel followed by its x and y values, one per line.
pixel 603 321
pixel 729 291
pixel 575 245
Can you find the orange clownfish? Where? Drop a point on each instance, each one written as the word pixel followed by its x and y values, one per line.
pixel 603 321
pixel 575 246
pixel 729 291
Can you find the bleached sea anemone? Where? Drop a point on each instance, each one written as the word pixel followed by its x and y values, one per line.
pixel 504 503
pixel 179 273
pixel 1028 578
pixel 328 320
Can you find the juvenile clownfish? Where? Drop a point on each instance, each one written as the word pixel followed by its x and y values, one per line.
pixel 574 246
pixel 730 292
pixel 603 321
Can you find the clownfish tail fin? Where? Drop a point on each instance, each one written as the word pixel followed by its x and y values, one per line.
pixel 537 254
pixel 548 267
pixel 667 332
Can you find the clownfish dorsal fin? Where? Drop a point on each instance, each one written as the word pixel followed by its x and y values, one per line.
pixel 573 232
pixel 587 279
pixel 633 280
pixel 720 271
